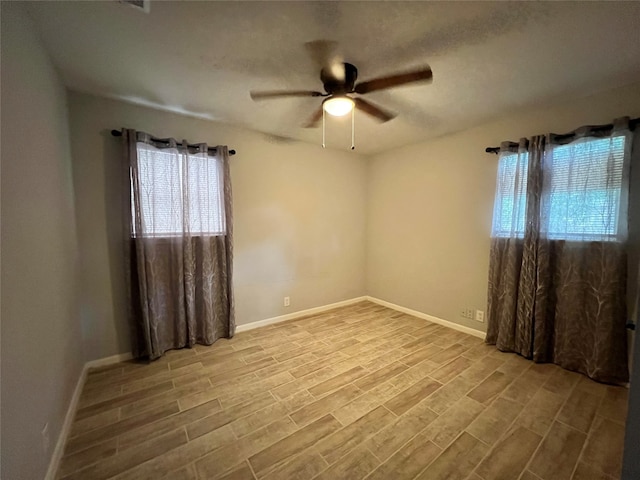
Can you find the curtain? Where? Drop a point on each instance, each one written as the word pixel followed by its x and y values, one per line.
pixel 558 259
pixel 179 247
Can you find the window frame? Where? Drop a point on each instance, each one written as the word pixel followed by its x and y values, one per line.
pixel 611 234
pixel 179 150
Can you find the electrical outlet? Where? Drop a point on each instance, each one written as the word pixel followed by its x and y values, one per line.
pixel 467 313
pixel 287 301
pixel 479 316
pixel 45 438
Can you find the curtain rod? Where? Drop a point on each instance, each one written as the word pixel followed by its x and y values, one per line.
pixel 632 124
pixel 118 133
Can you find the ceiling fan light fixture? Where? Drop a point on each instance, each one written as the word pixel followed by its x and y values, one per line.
pixel 338 106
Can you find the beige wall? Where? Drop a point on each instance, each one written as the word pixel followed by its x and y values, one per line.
pixel 430 207
pixel 299 218
pixel 41 337
pixel 427 208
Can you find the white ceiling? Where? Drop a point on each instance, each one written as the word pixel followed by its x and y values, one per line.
pixel 203 58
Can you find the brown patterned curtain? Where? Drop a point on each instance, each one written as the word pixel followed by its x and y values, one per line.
pixel 558 261
pixel 179 249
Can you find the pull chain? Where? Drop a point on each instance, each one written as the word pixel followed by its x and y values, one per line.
pixel 353 129
pixel 323 145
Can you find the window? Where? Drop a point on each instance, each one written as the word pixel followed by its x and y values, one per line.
pixel 580 198
pixel 179 192
pixel 510 203
pixel 582 182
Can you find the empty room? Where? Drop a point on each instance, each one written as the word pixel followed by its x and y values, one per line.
pixel 320 240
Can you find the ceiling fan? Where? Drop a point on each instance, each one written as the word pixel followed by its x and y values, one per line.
pixel 339 81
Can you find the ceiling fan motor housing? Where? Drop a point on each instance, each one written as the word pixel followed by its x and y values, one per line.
pixel 332 85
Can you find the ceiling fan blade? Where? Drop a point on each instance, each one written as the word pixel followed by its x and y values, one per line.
pixel 394 80
pixel 314 121
pixel 265 95
pixel 326 57
pixel 373 110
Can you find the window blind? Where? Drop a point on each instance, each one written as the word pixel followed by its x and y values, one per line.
pixel 510 203
pixel 580 197
pixel 582 182
pixel 179 192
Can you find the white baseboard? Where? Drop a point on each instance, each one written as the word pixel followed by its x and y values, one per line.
pixel 101 362
pixel 298 314
pixel 54 464
pixel 430 318
pixel 66 427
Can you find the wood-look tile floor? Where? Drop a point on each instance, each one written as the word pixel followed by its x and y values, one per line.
pixel 356 392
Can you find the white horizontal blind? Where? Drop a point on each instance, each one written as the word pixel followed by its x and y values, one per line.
pixel 180 193
pixel 582 183
pixel 204 196
pixel 509 208
pixel 581 193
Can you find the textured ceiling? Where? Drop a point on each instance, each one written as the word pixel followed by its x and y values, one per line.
pixel 203 58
